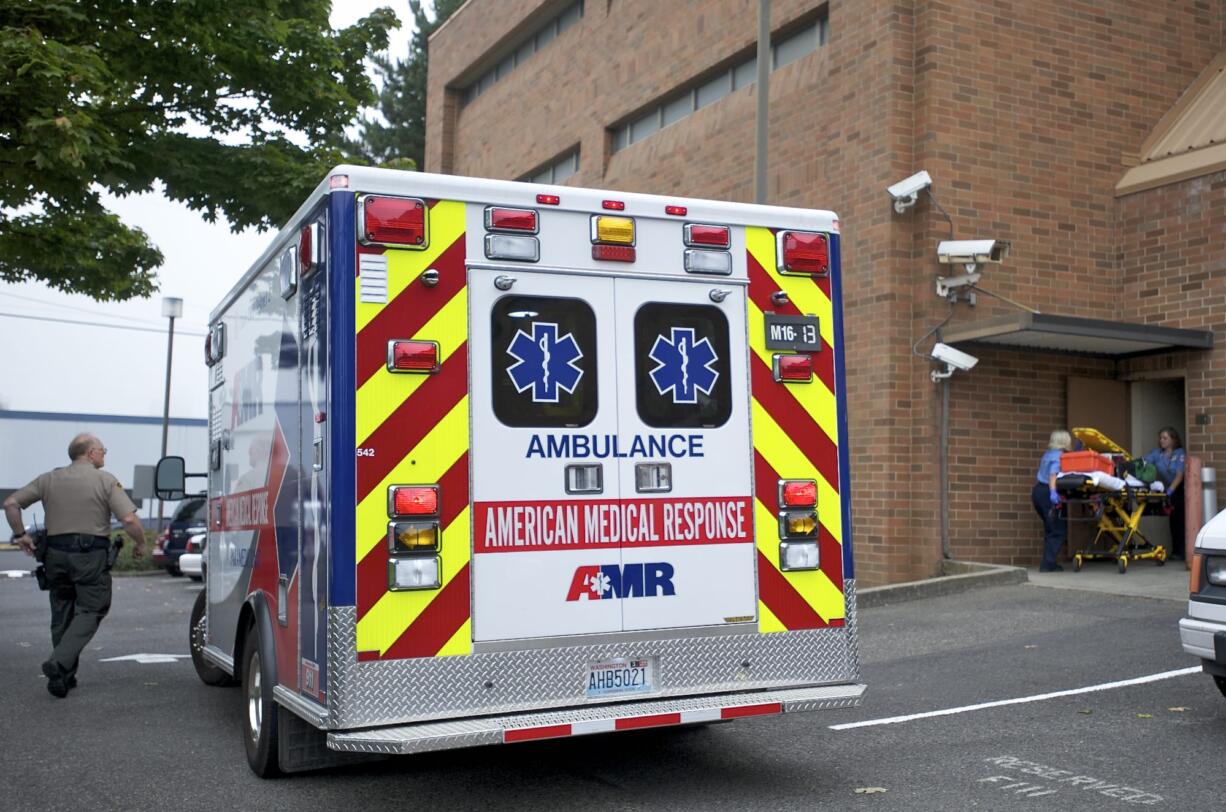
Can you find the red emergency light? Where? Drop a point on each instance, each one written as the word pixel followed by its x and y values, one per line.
pixel 393 221
pixel 804 253
pixel 797 493
pixel 793 368
pixel 412 356
pixel 614 253
pixel 412 500
pixel 614 205
pixel 304 249
pixel 676 211
pixel 500 219
pixel 714 236
pixel 548 200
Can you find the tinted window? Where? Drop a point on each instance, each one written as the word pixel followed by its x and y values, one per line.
pixel 544 364
pixel 681 366
pixel 192 512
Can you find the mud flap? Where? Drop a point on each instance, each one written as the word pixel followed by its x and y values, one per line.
pixel 302 747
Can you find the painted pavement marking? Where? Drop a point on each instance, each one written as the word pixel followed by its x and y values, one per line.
pixel 1089 689
pixel 147 659
pixel 1030 779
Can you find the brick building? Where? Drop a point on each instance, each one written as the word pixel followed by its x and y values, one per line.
pixel 1091 136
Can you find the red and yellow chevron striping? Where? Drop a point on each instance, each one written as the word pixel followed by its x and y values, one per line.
pixel 796 436
pixel 413 429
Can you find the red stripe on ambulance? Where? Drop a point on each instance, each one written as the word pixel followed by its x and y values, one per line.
pixel 426 635
pixel 524 734
pixel 409 311
pixel 510 527
pixel 412 421
pixel 793 419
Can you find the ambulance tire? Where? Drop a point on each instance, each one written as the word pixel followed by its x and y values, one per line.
pixel 209 674
pixel 260 722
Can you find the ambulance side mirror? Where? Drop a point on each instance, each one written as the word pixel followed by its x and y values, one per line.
pixel 170 479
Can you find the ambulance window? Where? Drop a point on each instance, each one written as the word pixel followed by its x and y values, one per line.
pixel 681 372
pixel 544 364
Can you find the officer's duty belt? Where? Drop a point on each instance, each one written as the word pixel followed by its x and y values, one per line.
pixel 77 542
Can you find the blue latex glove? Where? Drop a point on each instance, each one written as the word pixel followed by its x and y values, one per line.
pixel 1055 497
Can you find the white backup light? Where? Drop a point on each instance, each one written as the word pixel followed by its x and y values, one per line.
pixel 414 573
pixel 799 555
pixel 506 246
pixel 713 262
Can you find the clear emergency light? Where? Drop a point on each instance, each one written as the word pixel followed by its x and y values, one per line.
pixel 412 500
pixel 803 253
pixel 709 262
pixel 792 368
pixel 398 221
pixel 413 573
pixel 800 556
pixel 412 356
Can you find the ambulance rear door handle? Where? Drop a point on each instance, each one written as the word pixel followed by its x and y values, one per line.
pixel 718 294
pixel 504 282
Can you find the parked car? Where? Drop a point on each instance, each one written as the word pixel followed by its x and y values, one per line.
pixel 191 563
pixel 1203 631
pixel 189 519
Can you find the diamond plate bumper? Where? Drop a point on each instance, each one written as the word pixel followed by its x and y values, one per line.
pixel 426 736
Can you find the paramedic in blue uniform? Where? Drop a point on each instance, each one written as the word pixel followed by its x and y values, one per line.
pixel 1046 500
pixel 1169 458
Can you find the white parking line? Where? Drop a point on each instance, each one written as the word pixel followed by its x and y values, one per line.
pixel 1089 689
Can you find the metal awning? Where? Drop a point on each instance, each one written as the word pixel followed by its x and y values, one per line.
pixel 1040 331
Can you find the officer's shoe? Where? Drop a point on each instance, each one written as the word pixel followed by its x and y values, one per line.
pixel 57 685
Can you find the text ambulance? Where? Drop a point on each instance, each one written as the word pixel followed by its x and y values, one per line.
pixel 542 461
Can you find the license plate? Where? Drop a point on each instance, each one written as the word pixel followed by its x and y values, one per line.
pixel 792 333
pixel 620 678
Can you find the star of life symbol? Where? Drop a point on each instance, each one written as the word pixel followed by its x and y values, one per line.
pixel 544 362
pixel 600 584
pixel 683 365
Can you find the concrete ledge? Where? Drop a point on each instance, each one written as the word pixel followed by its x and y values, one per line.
pixel 959 576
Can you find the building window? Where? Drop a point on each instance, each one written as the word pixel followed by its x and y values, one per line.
pixel 679 105
pixel 557 171
pixel 525 49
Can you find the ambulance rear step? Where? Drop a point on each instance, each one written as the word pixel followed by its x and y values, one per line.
pixel 446 735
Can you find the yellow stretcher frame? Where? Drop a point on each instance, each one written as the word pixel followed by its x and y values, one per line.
pixel 1118 515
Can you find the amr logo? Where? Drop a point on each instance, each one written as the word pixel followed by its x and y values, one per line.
pixel 594 583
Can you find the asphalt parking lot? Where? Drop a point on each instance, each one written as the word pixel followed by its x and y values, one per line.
pixel 144 733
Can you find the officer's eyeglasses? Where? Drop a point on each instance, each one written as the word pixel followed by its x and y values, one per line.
pixel 100 448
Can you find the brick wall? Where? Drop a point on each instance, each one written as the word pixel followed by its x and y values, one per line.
pixel 1023 113
pixel 1172 261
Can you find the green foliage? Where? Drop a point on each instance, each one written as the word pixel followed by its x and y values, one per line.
pixel 236 106
pixel 401 135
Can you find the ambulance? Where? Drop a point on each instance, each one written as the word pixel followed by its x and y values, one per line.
pixel 495 462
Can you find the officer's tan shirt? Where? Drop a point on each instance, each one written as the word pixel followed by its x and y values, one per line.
pixel 78 498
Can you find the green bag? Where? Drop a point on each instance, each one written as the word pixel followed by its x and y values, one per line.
pixel 1143 470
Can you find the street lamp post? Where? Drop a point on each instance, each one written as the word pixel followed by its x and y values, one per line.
pixel 172 308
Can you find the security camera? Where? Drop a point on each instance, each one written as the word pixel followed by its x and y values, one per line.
pixel 906 192
pixel 954 358
pixel 971 252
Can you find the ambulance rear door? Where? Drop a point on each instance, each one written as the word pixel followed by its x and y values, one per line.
pixel 542 355
pixel 683 421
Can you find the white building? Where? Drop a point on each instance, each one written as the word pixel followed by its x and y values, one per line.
pixel 34 442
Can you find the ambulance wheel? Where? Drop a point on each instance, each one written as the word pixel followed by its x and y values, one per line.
pixel 1122 564
pixel 209 674
pixel 259 709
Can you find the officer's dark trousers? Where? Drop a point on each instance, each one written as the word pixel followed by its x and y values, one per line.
pixel 1054 528
pixel 1178 519
pixel 80 589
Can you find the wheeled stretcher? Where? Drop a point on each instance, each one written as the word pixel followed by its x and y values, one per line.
pixel 1116 504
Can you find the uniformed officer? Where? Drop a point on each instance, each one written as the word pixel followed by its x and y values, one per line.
pixel 79 500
